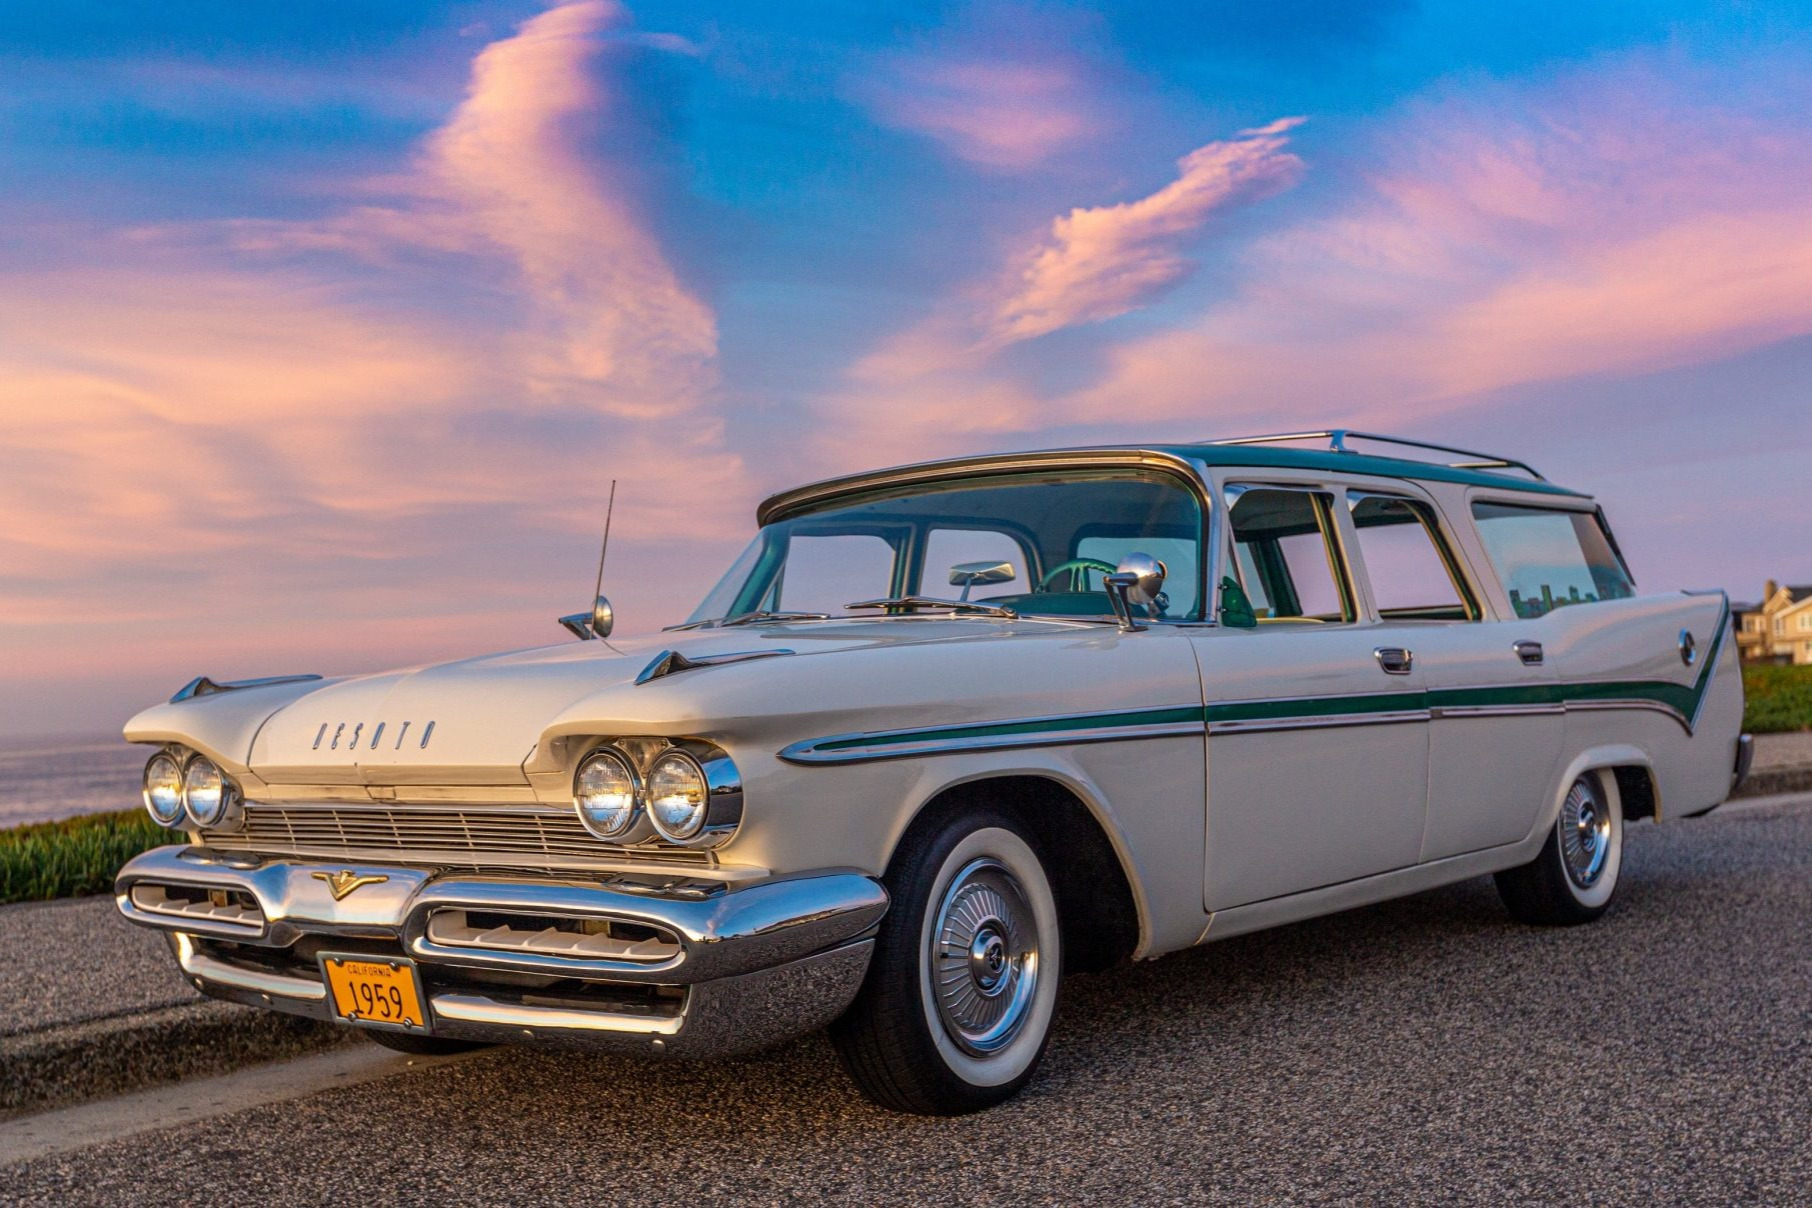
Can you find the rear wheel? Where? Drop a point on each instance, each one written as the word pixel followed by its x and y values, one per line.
pixel 956 1010
pixel 421 1046
pixel 1575 876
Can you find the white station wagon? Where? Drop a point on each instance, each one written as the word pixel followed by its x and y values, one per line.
pixel 942 734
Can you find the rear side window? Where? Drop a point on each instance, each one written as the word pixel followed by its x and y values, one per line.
pixel 1550 559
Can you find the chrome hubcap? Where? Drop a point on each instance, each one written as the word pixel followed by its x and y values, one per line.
pixel 984 959
pixel 1585 834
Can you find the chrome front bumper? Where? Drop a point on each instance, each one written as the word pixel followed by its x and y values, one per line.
pixel 671 964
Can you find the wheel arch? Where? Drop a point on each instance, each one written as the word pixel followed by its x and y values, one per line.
pixel 1624 769
pixel 1101 903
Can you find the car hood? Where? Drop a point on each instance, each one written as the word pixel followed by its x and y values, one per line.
pixel 477 720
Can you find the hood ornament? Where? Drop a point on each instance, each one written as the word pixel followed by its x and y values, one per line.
pixel 341 883
pixel 601 619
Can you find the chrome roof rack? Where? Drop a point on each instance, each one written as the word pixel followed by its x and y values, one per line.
pixel 1337 438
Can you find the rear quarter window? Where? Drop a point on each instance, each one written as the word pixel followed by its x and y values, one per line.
pixel 1548 559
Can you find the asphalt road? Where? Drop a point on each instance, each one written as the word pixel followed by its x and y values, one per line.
pixel 1424 1051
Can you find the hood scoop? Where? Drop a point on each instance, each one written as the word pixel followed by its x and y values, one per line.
pixel 672 662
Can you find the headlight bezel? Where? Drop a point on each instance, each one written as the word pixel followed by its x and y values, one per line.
pixel 722 814
pixel 177 815
pixel 636 827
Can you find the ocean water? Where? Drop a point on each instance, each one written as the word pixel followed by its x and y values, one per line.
pixel 61 775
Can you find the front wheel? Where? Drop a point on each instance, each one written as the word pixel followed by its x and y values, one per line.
pixel 1575 876
pixel 956 1009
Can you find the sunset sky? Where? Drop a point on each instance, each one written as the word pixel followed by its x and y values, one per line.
pixel 323 329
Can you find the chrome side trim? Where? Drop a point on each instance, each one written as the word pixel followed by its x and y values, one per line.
pixel 198 964
pixel 201 685
pixel 1648 706
pixel 1440 711
pixel 1328 722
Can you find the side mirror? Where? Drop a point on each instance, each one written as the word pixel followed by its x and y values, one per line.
pixel 1139 579
pixel 968 574
pixel 585 625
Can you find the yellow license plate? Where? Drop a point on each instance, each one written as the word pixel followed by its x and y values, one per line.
pixel 377 992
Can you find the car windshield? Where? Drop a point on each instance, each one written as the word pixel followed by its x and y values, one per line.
pixel 1038 544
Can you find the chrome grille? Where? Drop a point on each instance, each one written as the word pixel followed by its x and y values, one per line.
pixel 462 835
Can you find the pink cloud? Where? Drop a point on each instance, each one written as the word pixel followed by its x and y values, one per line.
pixel 1104 261
pixel 268 436
pixel 618 324
pixel 1007 87
pixel 1617 221
pixel 997 113
pixel 1635 216
pixel 949 375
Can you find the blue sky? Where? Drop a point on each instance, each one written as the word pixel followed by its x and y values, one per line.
pixel 322 330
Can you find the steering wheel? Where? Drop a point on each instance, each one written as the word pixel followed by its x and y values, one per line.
pixel 1077 569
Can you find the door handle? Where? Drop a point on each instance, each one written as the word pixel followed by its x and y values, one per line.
pixel 1394 659
pixel 1529 652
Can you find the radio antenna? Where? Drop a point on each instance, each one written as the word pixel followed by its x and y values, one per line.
pixel 604 549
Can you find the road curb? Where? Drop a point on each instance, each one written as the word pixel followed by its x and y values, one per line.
pixel 1771 782
pixel 66 1064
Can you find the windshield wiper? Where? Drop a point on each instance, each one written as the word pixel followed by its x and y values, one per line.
pixel 985 610
pixel 751 618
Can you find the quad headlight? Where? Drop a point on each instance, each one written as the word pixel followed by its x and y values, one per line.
pixel 684 792
pixel 163 789
pixel 606 792
pixel 208 797
pixel 185 789
pixel 677 796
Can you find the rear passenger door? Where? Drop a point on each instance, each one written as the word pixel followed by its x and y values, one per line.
pixel 1495 722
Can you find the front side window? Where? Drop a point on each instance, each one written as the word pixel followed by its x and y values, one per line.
pixel 1550 559
pixel 1284 557
pixel 1038 543
pixel 1413 575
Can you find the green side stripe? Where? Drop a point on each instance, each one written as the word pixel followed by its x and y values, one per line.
pixel 1680 697
pixel 1009 729
pixel 1285 708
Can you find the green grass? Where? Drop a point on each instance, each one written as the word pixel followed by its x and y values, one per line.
pixel 79 855
pixel 1779 699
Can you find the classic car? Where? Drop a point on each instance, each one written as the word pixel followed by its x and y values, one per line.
pixel 941 735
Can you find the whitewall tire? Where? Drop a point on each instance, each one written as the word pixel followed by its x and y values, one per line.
pixel 1574 877
pixel 957 1007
